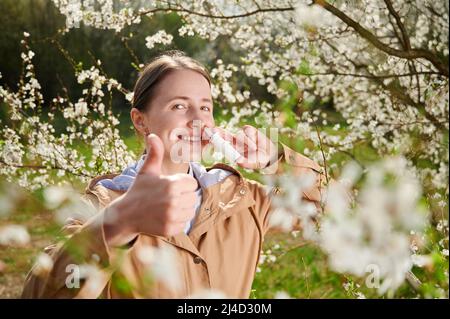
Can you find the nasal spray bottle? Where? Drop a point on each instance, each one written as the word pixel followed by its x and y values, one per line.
pixel 222 145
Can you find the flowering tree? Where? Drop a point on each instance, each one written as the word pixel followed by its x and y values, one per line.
pixel 382 65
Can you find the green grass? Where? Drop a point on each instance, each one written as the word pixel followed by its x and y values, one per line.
pixel 300 270
pixel 18 260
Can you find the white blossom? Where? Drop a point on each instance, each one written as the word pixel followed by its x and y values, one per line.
pixel 43 265
pixel 161 264
pixel 313 15
pixel 159 37
pixel 208 294
pixel 377 231
pixel 14 235
pixel 289 206
pixel 282 295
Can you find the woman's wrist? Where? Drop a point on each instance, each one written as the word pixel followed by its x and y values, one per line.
pixel 118 231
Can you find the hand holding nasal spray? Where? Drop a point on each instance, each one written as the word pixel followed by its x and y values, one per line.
pixel 221 145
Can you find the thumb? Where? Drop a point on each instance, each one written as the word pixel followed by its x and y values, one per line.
pixel 155 154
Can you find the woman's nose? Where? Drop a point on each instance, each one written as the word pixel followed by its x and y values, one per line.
pixel 198 119
pixel 196 124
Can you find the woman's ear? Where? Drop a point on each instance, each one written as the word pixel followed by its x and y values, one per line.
pixel 138 119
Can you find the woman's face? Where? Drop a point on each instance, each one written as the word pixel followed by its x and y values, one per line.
pixel 181 106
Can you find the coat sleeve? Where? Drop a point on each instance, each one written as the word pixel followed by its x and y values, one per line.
pixel 298 165
pixel 84 244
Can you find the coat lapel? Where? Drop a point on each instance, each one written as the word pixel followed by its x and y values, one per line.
pixel 221 201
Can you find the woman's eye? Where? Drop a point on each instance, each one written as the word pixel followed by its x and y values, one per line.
pixel 206 108
pixel 178 106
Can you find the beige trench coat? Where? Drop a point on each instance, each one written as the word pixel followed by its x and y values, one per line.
pixel 220 252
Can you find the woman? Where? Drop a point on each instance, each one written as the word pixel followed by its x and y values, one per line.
pixel 213 219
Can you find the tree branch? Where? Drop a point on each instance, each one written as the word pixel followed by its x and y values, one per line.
pixel 394 92
pixel 441 66
pixel 407 44
pixel 410 54
pixel 212 16
pixel 372 76
pixel 38 167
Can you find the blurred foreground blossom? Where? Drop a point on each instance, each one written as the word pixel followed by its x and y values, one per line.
pixel 282 295
pixel 75 207
pixel 6 205
pixel 289 207
pixel 43 265
pixel 55 195
pixel 369 236
pixel 422 260
pixel 14 235
pixel 161 265
pixel 208 294
pixel 312 16
pixel 9 194
pixel 374 235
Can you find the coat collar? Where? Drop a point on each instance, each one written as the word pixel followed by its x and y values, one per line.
pixel 91 187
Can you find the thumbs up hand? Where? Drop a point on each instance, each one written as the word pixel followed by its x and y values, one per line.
pixel 155 204
pixel 154 159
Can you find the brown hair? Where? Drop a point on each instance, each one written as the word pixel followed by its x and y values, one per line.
pixel 155 71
